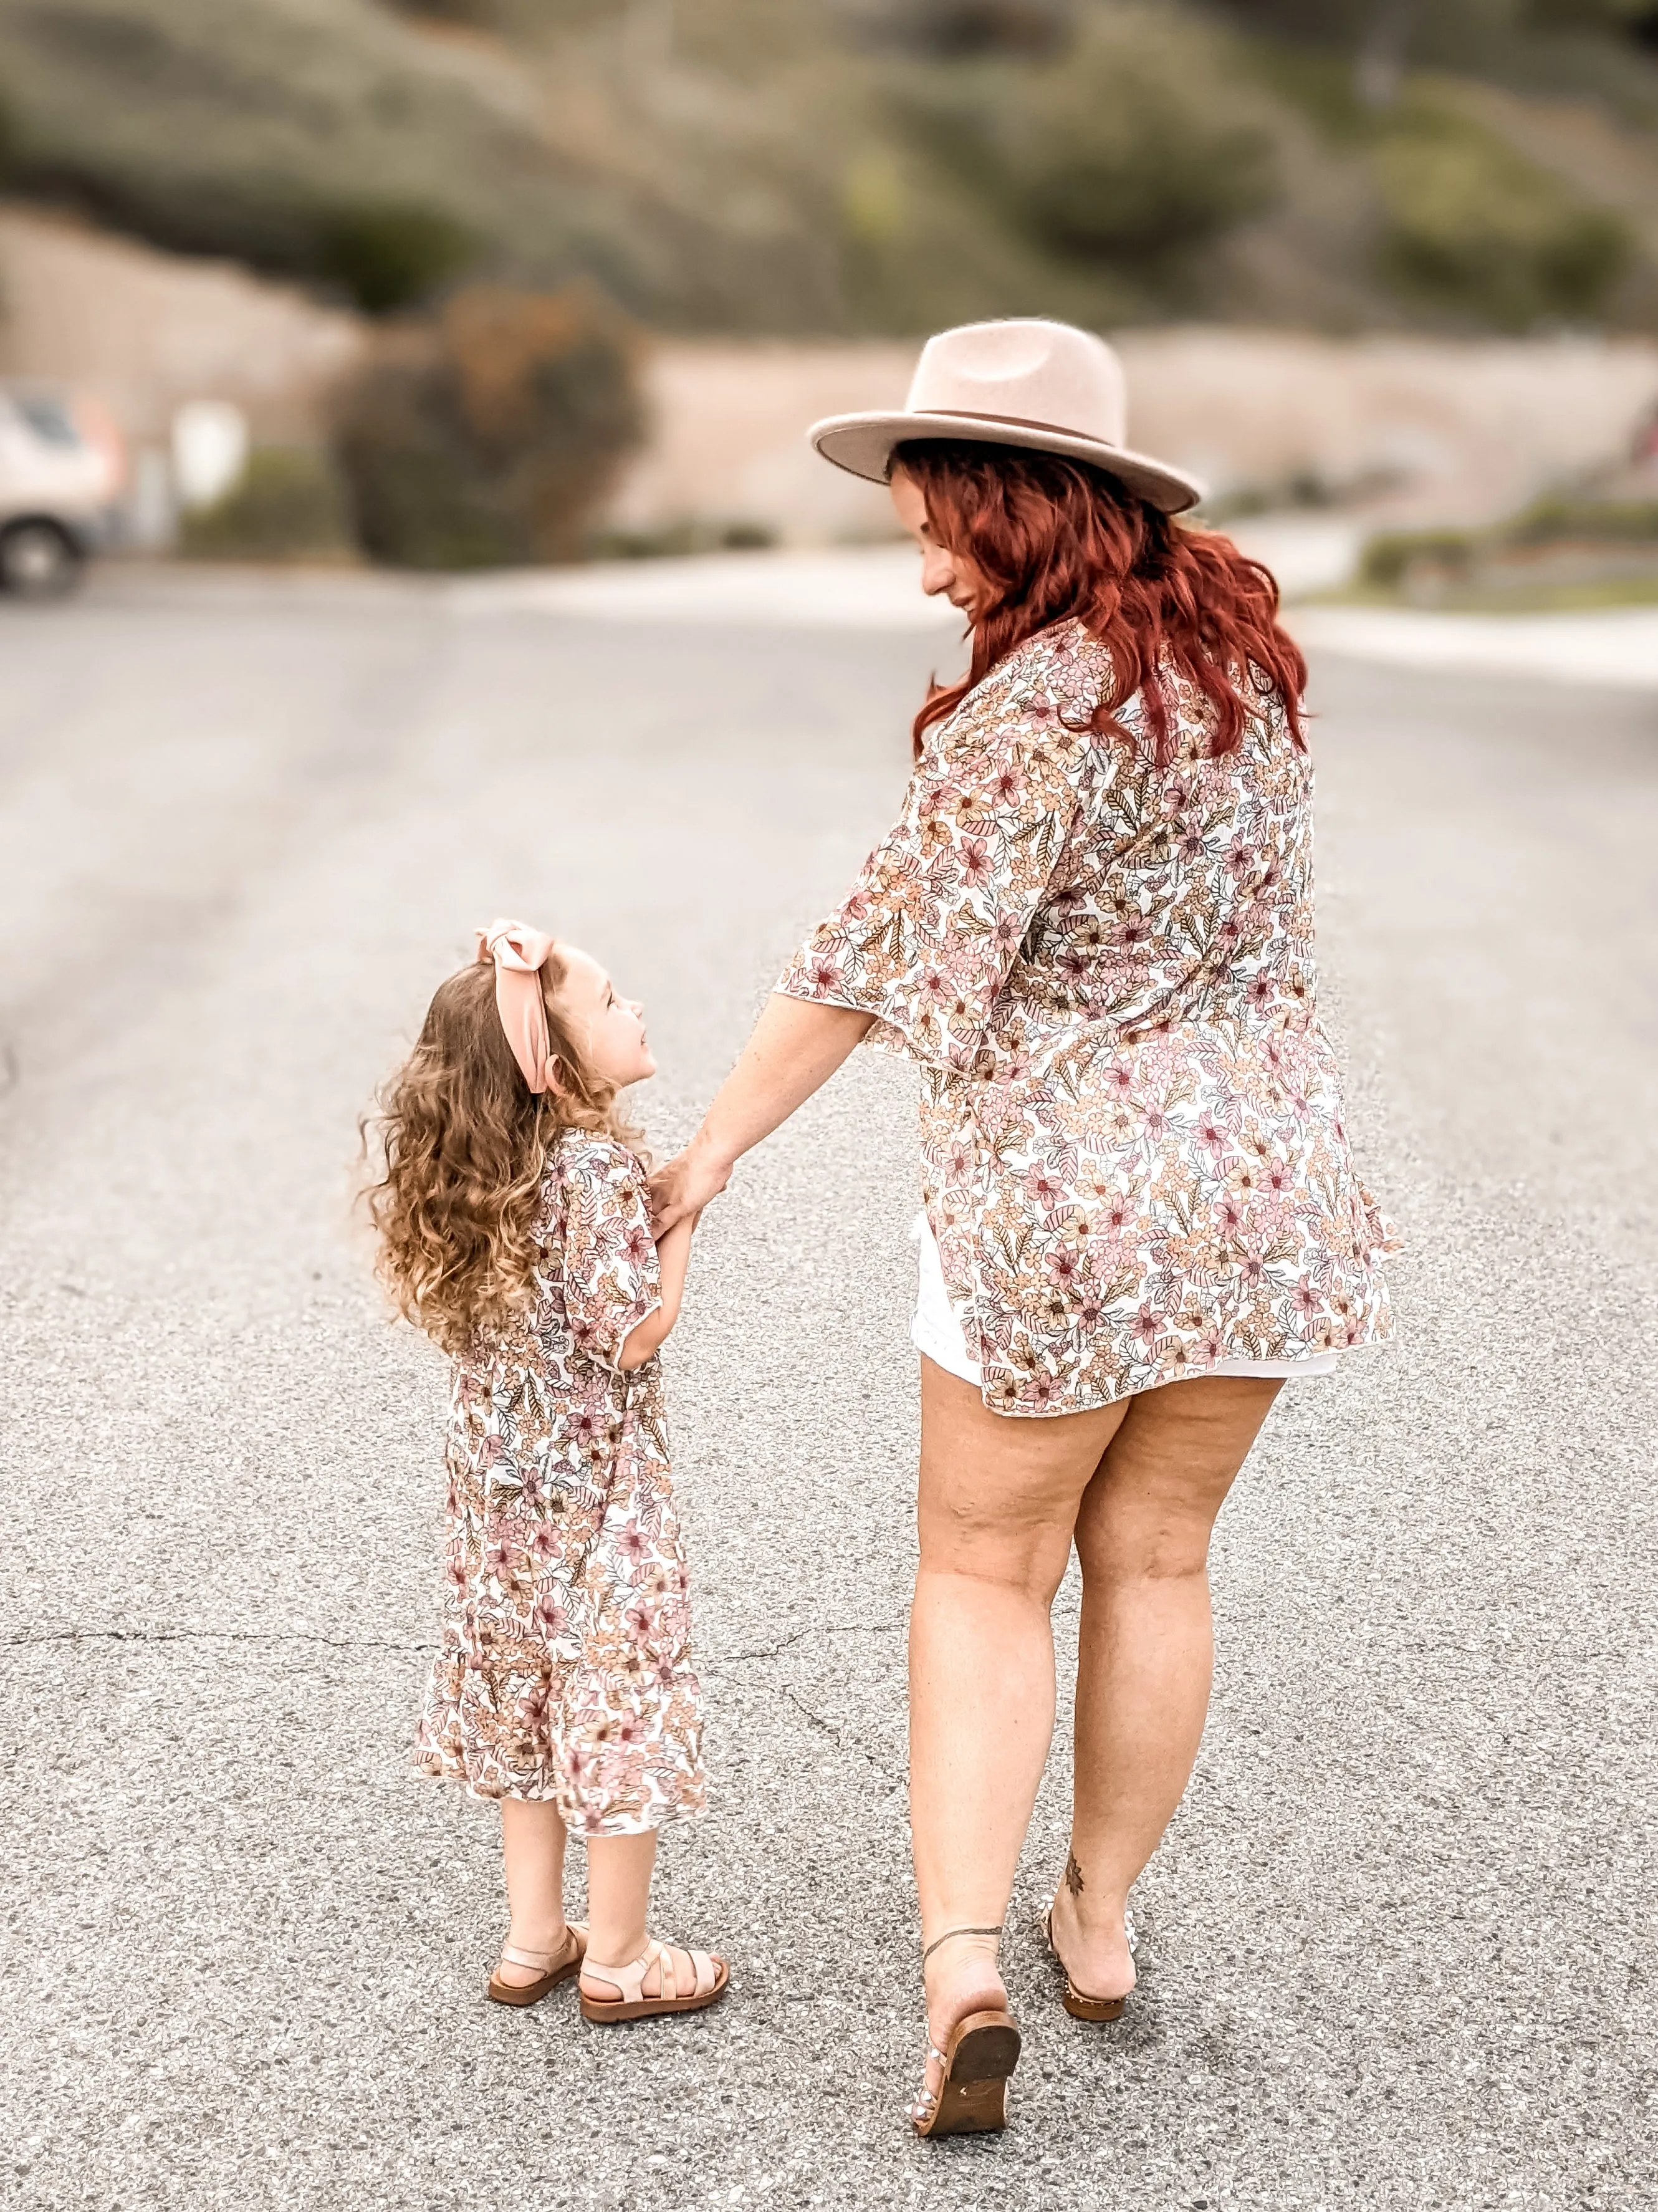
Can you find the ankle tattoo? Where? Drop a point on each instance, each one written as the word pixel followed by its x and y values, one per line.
pixel 1073 1875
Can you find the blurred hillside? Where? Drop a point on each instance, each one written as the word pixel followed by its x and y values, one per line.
pixel 842 167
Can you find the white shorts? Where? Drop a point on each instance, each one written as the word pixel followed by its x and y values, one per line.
pixel 936 1331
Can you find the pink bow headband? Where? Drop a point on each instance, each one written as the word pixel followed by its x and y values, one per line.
pixel 519 953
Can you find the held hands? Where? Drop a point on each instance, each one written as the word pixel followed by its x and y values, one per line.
pixel 684 1185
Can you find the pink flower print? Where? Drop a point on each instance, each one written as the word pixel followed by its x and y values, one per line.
pixel 823 974
pixel 639 1246
pixel 1305 1300
pixel 1006 787
pixel 975 863
pixel 1064 1267
pixel 1230 1215
pixel 1260 992
pixel 1210 1134
pixel 631 1545
pixel 1147 1325
pixel 1045 1189
pixel 588 1432
pixel 639 1620
pixel 1119 1081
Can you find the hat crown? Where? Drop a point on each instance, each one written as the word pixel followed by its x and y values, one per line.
pixel 1024 369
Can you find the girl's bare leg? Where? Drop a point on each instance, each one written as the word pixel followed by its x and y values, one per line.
pixel 999 1500
pixel 532 1848
pixel 619 1870
pixel 1146 1652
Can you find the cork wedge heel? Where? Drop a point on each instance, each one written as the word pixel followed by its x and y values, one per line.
pixel 976 2066
pixel 1077 2002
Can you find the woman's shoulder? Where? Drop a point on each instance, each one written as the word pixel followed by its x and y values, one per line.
pixel 1061 676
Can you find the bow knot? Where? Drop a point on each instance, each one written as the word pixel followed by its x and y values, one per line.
pixel 519 953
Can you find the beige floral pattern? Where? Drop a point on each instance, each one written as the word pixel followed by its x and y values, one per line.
pixel 1133 1151
pixel 563 1672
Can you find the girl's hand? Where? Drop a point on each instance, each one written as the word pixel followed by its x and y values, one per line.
pixel 684 1184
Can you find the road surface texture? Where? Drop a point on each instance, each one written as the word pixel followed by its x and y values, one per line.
pixel 1398 1947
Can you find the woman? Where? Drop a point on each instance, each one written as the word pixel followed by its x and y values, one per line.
pixel 1091 926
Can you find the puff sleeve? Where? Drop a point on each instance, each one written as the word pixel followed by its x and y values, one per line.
pixel 925 938
pixel 611 1277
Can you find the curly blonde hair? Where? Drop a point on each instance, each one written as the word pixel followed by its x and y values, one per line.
pixel 462 1145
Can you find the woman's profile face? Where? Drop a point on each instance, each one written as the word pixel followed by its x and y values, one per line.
pixel 945 574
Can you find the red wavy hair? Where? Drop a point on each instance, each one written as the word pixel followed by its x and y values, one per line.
pixel 1053 537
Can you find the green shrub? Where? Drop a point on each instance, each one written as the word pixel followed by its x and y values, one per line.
pixel 389 253
pixel 1473 226
pixel 1565 516
pixel 1390 556
pixel 487 438
pixel 289 504
pixel 1129 151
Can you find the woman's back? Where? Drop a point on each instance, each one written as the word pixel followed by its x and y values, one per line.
pixel 1182 892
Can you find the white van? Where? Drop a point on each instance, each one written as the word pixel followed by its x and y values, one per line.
pixel 62 470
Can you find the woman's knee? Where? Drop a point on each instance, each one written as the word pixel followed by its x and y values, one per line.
pixel 962 1533
pixel 1119 1547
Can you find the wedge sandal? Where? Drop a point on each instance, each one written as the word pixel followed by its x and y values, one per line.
pixel 1077 2002
pixel 977 2063
pixel 549 1968
pixel 711 1979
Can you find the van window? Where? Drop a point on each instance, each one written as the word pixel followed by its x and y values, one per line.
pixel 48 418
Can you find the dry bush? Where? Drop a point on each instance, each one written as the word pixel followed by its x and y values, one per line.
pixel 489 437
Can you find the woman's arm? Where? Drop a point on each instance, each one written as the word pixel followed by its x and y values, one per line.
pixel 796 1046
pixel 673 1252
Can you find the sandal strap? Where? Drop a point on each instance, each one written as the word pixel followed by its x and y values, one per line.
pixel 539 1962
pixel 950 1935
pixel 628 1980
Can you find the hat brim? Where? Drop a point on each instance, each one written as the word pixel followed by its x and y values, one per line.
pixel 862 445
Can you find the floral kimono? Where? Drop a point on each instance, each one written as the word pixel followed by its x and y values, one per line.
pixel 1132 1153
pixel 563 1672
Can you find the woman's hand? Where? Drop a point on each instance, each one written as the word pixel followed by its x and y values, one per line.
pixel 796 1045
pixel 684 1184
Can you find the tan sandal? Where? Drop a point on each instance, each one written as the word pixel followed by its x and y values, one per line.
pixel 977 2063
pixel 549 1967
pixel 712 1978
pixel 1077 2002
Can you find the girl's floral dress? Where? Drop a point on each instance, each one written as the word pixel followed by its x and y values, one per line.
pixel 564 1672
pixel 1133 1151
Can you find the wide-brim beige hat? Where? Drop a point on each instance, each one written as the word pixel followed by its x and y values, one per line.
pixel 1023 381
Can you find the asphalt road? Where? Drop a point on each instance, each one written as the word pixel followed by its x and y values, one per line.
pixel 1398 1943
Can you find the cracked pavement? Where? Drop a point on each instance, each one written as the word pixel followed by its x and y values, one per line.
pixel 1397 1947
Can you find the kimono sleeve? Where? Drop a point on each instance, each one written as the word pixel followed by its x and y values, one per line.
pixel 925 938
pixel 611 1279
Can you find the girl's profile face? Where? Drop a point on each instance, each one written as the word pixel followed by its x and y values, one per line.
pixel 607 1029
pixel 943 574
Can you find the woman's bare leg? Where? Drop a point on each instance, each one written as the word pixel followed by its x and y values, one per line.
pixel 999 1500
pixel 533 1848
pixel 1146 1652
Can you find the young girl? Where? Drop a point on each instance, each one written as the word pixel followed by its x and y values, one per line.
pixel 515 1230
